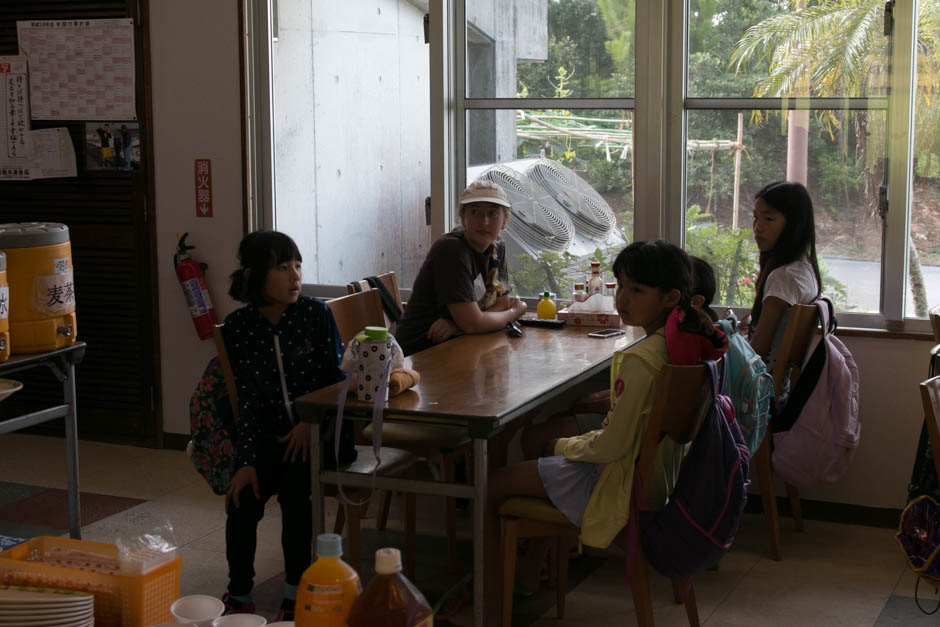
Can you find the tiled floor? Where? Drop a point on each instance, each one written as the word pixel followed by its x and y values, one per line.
pixel 832 574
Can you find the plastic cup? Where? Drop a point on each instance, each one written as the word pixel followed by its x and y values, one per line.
pixel 240 620
pixel 197 609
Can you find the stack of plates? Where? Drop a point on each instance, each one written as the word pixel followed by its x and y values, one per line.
pixel 45 607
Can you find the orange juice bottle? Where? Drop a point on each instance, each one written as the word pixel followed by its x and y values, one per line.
pixel 390 600
pixel 327 588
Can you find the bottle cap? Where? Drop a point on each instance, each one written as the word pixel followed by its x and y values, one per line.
pixel 329 545
pixel 610 284
pixel 546 294
pixel 595 264
pixel 377 333
pixel 387 561
pixel 579 286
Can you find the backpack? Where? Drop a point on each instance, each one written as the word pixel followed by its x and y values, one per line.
pixel 748 383
pixel 212 448
pixel 698 523
pixel 819 427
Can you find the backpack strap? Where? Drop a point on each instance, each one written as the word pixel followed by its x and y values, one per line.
pixel 388 301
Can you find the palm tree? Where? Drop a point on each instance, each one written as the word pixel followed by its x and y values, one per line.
pixel 837 48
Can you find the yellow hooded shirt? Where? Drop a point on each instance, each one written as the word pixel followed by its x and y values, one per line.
pixel 617 443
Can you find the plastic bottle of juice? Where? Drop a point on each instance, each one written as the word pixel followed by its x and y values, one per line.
pixel 390 600
pixel 327 588
pixel 546 307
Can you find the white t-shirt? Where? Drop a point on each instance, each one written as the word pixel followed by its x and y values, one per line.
pixel 794 283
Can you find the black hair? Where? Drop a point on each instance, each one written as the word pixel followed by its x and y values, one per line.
pixel 259 252
pixel 797 240
pixel 665 266
pixel 703 284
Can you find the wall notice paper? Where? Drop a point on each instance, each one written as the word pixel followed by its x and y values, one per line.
pixel 14 118
pixel 80 69
pixel 53 154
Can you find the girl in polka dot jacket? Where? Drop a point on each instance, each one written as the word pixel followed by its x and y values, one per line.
pixel 281 345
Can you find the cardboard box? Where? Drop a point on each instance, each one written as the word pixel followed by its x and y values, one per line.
pixel 590 319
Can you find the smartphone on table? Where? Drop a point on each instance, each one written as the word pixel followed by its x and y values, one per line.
pixel 607 333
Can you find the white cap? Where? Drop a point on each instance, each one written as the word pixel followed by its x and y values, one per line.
pixel 387 561
pixel 484 191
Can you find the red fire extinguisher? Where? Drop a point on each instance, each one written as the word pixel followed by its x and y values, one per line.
pixel 193 281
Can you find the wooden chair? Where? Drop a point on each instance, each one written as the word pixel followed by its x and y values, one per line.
pixel 801 325
pixel 394 462
pixel 680 404
pixel 439 445
pixel 935 322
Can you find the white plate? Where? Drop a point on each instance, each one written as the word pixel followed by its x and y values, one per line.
pixel 42 611
pixel 9 386
pixel 13 594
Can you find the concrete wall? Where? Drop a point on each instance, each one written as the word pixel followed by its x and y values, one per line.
pixel 353 145
pixel 196 115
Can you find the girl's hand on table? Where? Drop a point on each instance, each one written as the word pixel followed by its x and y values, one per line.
pixel 519 307
pixel 298 442
pixel 245 476
pixel 441 330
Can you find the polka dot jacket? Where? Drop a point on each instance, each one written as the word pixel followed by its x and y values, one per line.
pixel 311 350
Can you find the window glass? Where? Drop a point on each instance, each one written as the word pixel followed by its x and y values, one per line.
pixel 800 48
pixel 351 137
pixel 726 171
pixel 550 48
pixel 568 175
pixel 923 287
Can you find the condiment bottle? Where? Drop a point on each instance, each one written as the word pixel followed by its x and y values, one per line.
pixel 610 288
pixel 546 307
pixel 390 600
pixel 579 295
pixel 595 284
pixel 327 588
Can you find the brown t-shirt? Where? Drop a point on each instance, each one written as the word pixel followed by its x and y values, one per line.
pixel 451 273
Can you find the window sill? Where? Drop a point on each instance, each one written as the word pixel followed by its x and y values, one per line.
pixel 884 334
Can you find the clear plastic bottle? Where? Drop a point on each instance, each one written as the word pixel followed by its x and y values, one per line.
pixel 596 283
pixel 610 288
pixel 390 600
pixel 327 588
pixel 546 308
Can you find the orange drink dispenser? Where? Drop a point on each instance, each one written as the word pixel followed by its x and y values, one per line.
pixel 42 285
pixel 4 310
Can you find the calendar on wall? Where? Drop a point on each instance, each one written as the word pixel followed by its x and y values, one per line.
pixel 79 69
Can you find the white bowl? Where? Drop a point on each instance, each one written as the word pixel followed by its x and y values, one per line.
pixel 9 386
pixel 240 620
pixel 197 609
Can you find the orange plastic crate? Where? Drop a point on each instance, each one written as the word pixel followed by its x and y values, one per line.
pixel 120 600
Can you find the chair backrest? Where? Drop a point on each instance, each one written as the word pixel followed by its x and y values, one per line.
pixel 802 321
pixel 389 280
pixel 680 403
pixel 930 396
pixel 935 322
pixel 356 311
pixel 226 366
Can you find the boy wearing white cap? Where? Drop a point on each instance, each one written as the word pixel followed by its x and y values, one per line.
pixel 462 286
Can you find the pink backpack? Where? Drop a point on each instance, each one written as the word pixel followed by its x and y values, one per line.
pixel 823 412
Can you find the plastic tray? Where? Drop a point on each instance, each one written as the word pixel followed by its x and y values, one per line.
pixel 120 600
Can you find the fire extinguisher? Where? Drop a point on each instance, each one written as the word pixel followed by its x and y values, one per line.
pixel 193 281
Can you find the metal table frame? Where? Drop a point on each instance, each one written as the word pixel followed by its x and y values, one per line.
pixel 62 363
pixel 481 429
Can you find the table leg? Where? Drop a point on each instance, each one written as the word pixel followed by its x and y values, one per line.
pixel 316 491
pixel 71 454
pixel 479 531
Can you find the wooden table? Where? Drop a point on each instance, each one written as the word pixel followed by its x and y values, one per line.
pixel 62 363
pixel 482 382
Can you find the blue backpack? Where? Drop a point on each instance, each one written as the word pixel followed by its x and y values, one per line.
pixel 748 383
pixel 698 524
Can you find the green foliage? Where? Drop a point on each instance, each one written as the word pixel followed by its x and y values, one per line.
pixel 730 252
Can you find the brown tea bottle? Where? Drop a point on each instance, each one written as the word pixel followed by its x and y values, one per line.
pixel 390 600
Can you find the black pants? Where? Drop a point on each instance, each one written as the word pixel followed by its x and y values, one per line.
pixel 291 482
